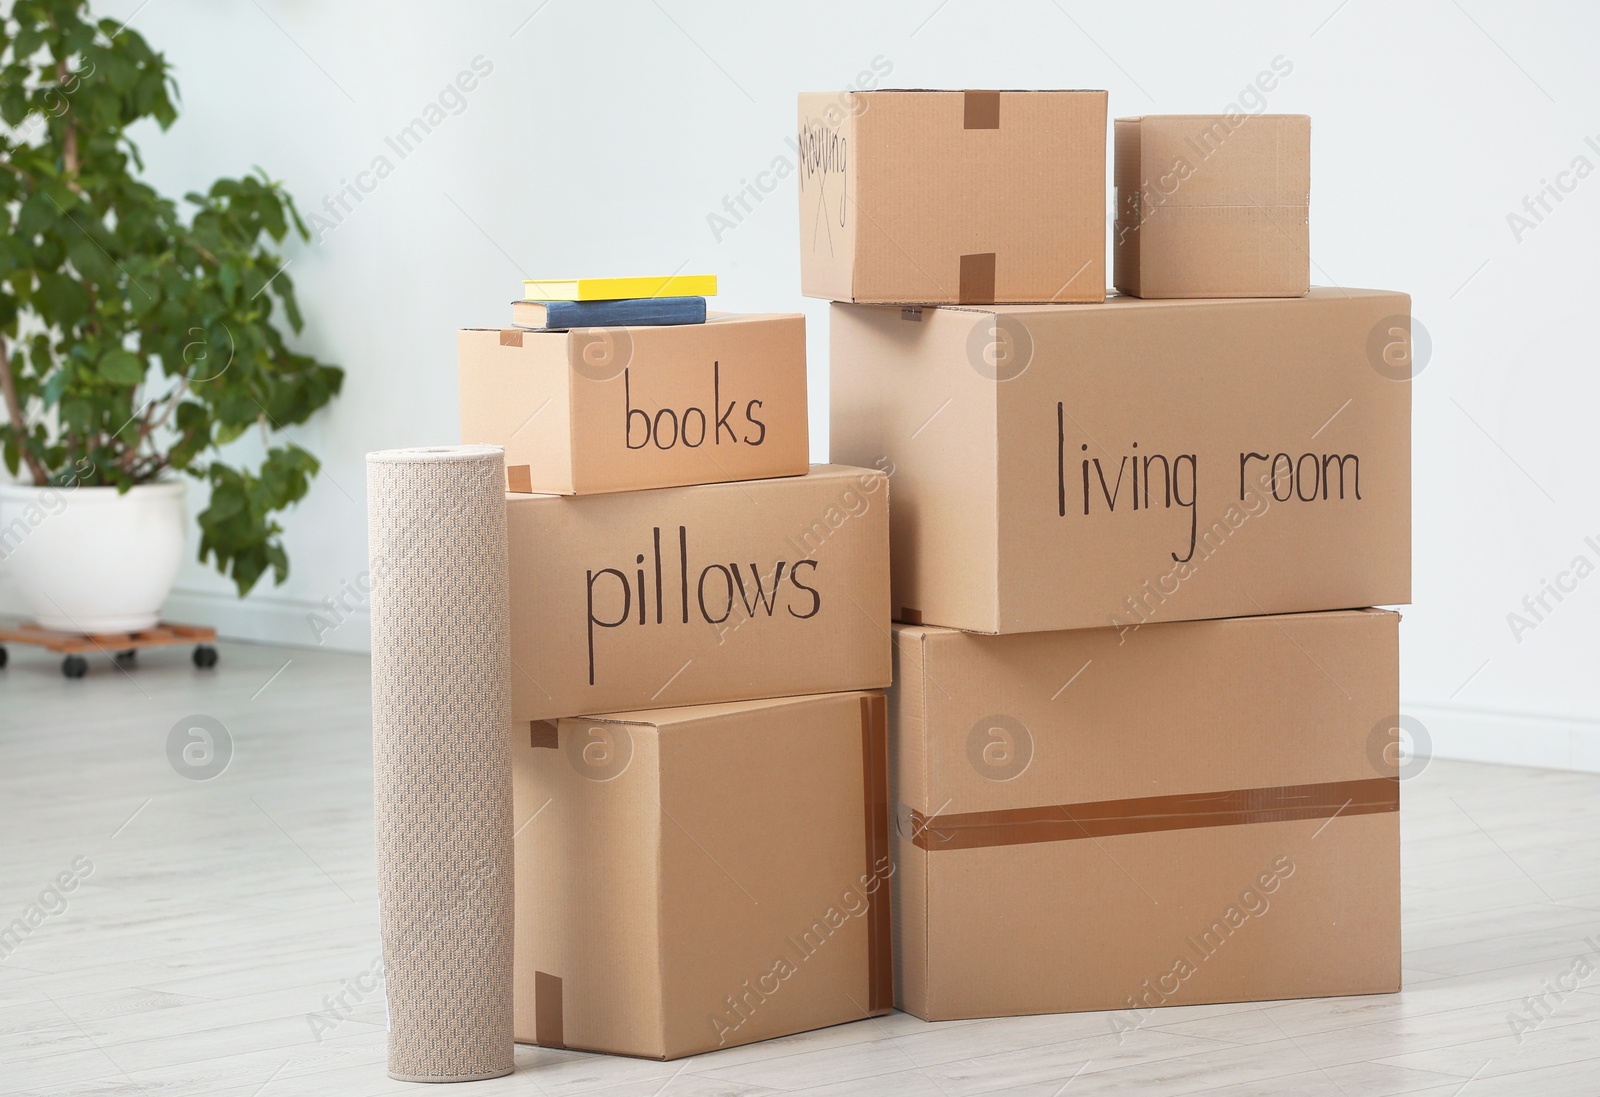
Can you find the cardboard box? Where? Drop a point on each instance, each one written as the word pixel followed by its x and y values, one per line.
pixel 1207 812
pixel 717 592
pixel 696 878
pixel 1072 467
pixel 952 196
pixel 1213 205
pixel 616 409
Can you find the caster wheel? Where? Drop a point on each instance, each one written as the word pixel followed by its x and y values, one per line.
pixel 205 656
pixel 127 656
pixel 74 666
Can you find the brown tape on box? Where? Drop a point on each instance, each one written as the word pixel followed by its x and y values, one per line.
pixel 1147 814
pixel 977 279
pixel 547 1016
pixel 511 337
pixel 875 785
pixel 980 110
pixel 542 733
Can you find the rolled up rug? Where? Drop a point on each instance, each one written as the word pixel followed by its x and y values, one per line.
pixel 441 762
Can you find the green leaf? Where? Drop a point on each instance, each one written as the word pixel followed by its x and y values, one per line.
pixel 121 367
pixel 65 302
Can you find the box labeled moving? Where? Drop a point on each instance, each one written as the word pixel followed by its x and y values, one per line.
pixel 953 196
pixel 699 878
pixel 687 595
pixel 620 408
pixel 1135 461
pixel 1213 205
pixel 1205 813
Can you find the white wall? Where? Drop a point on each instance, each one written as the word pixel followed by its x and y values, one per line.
pixel 607 133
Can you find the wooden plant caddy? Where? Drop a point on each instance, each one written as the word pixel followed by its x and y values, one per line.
pixel 122 646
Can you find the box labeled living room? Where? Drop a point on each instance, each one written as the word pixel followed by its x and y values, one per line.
pixel 1107 465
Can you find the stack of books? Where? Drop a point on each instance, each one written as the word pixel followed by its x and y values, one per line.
pixel 552 304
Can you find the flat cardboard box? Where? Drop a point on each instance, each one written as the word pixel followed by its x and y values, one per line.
pixel 695 878
pixel 689 595
pixel 1204 812
pixel 617 409
pixel 953 196
pixel 1072 467
pixel 1213 205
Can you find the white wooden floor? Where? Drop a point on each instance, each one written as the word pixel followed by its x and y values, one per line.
pixel 221 933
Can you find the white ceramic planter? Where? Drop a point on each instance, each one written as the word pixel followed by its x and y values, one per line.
pixel 91 560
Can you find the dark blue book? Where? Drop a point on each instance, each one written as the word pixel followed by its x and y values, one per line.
pixel 632 312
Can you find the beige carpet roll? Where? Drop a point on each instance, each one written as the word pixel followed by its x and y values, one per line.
pixel 441 761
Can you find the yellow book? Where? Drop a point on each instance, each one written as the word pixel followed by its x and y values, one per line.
pixel 619 289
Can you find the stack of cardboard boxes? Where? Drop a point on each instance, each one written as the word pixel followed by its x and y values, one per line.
pixel 1141 726
pixel 699 637
pixel 1138 745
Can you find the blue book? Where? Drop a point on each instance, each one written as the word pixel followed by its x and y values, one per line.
pixel 634 312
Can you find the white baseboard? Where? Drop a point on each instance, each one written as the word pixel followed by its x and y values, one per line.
pixel 267 620
pixel 1509 738
pixel 1453 732
pixel 261 619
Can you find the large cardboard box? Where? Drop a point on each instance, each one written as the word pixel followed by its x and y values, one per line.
pixel 1213 205
pixel 616 409
pixel 696 878
pixel 1071 467
pixel 682 596
pixel 1204 812
pixel 950 196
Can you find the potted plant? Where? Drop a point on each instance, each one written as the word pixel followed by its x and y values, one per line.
pixel 137 339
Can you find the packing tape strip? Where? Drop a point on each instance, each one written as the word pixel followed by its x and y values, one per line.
pixel 1149 814
pixel 977 279
pixel 875 787
pixel 548 1027
pixel 980 110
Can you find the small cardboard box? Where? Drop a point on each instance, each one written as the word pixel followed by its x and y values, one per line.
pixel 1207 812
pixel 688 595
pixel 617 409
pixel 1078 466
pixel 1213 205
pixel 952 196
pixel 696 878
